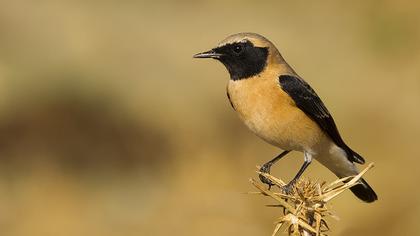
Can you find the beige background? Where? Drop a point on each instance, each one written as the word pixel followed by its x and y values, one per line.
pixel 109 127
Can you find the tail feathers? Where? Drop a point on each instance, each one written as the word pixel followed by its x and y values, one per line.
pixel 364 192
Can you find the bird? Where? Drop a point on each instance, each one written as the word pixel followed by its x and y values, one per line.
pixel 277 105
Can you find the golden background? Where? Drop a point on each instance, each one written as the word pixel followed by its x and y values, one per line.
pixel 109 127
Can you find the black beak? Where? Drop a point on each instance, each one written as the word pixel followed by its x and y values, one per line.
pixel 208 54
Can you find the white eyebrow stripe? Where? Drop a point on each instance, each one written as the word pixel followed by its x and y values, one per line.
pixel 232 42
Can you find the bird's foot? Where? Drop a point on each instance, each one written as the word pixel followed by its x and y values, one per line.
pixel 266 169
pixel 288 188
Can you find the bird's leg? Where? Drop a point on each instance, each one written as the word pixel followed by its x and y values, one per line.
pixel 266 168
pixel 307 160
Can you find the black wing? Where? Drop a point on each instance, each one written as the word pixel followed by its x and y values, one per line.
pixel 309 102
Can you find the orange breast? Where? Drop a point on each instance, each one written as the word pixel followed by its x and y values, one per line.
pixel 271 113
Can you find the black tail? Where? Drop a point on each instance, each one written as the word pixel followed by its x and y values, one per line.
pixel 364 192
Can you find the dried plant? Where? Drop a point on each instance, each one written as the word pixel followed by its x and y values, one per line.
pixel 305 208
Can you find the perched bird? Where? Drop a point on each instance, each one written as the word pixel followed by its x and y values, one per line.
pixel 281 108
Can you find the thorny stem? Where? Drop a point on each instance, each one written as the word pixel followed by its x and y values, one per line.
pixel 306 206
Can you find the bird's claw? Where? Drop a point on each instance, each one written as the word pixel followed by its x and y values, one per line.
pixel 288 188
pixel 266 169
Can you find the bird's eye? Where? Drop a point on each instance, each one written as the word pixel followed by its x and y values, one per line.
pixel 237 49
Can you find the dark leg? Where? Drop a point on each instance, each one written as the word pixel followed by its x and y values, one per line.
pixel 307 161
pixel 266 168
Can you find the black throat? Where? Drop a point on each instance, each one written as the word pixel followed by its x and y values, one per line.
pixel 249 62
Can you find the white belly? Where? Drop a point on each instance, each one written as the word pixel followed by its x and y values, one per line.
pixel 334 158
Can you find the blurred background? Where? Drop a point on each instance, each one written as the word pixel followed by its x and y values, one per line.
pixel 109 127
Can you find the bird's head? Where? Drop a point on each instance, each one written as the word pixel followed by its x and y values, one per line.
pixel 244 54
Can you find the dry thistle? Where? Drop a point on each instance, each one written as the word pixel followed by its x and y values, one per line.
pixel 305 208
